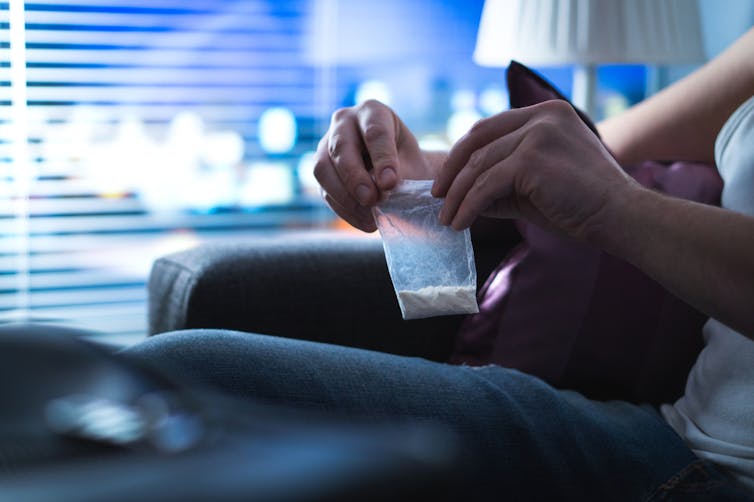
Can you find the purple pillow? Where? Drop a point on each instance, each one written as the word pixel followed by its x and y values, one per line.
pixel 578 317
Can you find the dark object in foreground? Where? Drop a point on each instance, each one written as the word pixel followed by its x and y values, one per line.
pixel 78 423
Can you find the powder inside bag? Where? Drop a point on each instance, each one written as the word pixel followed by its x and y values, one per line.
pixel 438 300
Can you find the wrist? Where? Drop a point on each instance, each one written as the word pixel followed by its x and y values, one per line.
pixel 621 224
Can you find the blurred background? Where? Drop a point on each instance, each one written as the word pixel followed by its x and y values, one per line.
pixel 134 128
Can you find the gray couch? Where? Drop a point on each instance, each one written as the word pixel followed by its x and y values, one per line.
pixel 331 288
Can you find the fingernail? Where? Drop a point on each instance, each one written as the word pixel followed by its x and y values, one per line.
pixel 441 216
pixel 362 194
pixel 387 176
pixel 457 225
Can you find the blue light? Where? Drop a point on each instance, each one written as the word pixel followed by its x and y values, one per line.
pixel 277 130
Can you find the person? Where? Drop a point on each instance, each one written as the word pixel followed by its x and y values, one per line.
pixel 526 439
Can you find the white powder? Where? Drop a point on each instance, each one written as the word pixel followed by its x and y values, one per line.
pixel 438 300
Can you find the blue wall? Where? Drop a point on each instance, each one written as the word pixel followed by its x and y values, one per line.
pixel 722 23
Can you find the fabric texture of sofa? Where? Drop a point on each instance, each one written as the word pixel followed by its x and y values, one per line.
pixel 331 288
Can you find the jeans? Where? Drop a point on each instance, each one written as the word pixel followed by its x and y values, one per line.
pixel 523 439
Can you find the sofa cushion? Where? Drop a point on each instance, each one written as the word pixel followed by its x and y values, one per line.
pixel 580 318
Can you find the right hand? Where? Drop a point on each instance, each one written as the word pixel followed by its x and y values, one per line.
pixel 364 153
pixel 541 163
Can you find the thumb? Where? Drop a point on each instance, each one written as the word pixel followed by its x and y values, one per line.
pixel 377 125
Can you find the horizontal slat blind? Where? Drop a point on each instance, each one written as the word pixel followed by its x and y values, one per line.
pixel 132 108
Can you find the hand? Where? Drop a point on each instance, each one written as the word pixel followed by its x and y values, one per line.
pixel 366 151
pixel 540 163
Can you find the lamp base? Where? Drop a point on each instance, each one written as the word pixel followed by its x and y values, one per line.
pixel 585 88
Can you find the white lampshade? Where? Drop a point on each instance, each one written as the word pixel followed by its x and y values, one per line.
pixel 555 32
pixel 586 33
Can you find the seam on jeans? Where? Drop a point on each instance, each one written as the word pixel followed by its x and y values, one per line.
pixel 477 367
pixel 679 483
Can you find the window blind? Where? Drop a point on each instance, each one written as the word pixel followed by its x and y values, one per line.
pixel 142 136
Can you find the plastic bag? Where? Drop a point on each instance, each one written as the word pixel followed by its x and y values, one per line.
pixel 431 265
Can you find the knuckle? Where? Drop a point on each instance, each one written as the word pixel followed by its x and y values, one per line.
pixel 478 126
pixel 549 125
pixel 341 115
pixel 320 167
pixel 556 106
pixel 335 146
pixel 374 133
pixel 560 110
pixel 547 129
pixel 477 159
pixel 483 181
pixel 479 195
pixel 528 154
pixel 372 103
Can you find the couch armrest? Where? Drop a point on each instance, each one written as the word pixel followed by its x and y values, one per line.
pixel 328 289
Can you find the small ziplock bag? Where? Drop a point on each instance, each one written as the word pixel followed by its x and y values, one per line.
pixel 431 265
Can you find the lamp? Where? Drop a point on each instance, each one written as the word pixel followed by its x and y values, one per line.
pixel 586 33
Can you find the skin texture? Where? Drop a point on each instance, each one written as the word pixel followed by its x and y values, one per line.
pixel 540 163
pixel 364 153
pixel 543 164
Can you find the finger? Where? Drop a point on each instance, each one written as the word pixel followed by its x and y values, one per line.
pixel 479 163
pixel 324 172
pixel 378 124
pixel 336 194
pixel 360 217
pixel 345 147
pixel 505 207
pixel 480 134
pixel 493 187
pixel 514 207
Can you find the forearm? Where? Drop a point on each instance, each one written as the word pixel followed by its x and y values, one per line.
pixel 681 122
pixel 703 254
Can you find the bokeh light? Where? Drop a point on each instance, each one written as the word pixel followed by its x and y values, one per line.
pixel 373 89
pixel 277 130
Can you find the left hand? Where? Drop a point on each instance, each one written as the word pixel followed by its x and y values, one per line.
pixel 365 153
pixel 540 163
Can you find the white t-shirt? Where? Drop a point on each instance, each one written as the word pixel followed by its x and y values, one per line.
pixel 716 414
